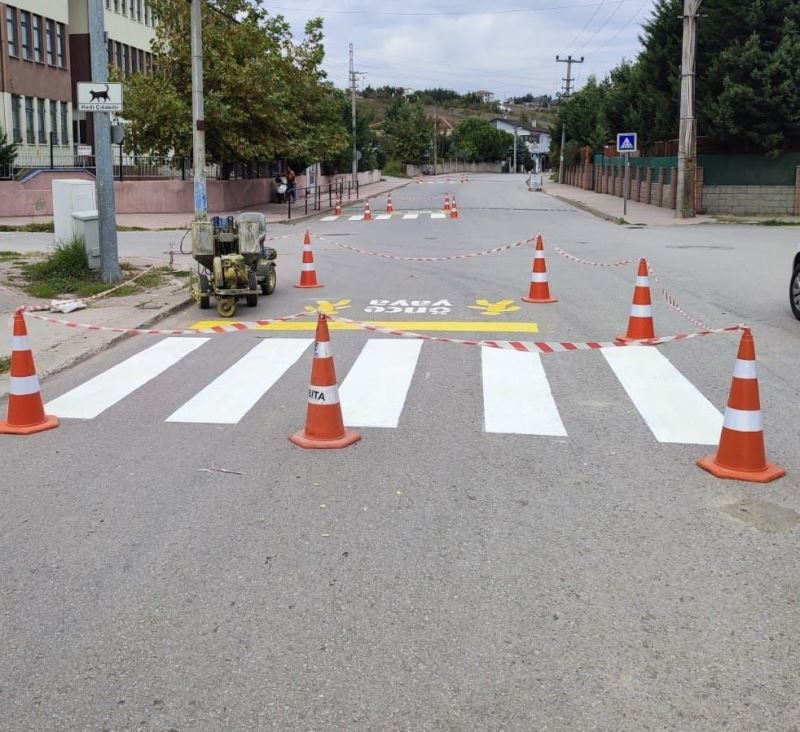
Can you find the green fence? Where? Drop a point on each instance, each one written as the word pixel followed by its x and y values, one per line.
pixel 725 169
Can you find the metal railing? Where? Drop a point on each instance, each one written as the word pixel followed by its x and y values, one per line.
pixel 315 195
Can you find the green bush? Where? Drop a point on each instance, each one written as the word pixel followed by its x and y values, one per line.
pixel 395 169
pixel 66 270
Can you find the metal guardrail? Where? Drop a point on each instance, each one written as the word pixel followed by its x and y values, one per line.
pixel 334 192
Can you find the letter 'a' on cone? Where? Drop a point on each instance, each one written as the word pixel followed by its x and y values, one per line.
pixel 454 209
pixel 324 424
pixel 640 323
pixel 540 287
pixel 741 454
pixel 308 275
pixel 367 212
pixel 25 408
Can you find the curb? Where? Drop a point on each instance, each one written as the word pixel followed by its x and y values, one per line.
pixel 99 348
pixel 588 209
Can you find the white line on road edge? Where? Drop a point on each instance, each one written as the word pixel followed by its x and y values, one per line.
pixel 375 390
pixel 673 408
pixel 104 390
pixel 234 393
pixel 516 395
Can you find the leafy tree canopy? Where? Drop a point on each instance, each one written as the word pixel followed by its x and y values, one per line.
pixel 265 95
pixel 407 132
pixel 477 140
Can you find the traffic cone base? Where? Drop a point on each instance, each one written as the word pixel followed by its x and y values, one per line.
pixel 315 443
pixel 765 475
pixel 49 423
pixel 539 299
pixel 25 407
pixel 308 287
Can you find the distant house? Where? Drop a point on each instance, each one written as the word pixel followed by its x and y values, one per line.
pixel 536 139
pixel 486 97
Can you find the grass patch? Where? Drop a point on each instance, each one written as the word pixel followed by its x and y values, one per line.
pixel 182 273
pixel 132 228
pixel 395 169
pixel 6 255
pixel 46 226
pixel 5 364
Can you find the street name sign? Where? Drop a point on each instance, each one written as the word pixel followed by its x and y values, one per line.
pixel 627 142
pixel 103 97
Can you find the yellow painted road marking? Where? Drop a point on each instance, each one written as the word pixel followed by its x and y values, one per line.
pixel 413 325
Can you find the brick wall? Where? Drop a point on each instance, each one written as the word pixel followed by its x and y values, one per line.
pixel 778 200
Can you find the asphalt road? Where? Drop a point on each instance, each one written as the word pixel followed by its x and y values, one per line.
pixel 434 576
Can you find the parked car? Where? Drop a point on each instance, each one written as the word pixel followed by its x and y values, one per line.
pixel 794 285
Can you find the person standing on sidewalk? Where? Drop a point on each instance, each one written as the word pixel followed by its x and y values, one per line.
pixel 291 184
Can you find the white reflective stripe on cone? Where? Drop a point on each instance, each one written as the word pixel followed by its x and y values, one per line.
pixel 642 281
pixel 538 276
pixel 744 369
pixel 538 254
pixel 306 247
pixel 23 385
pixel 323 394
pixel 20 343
pixel 308 266
pixel 742 420
pixel 322 349
pixel 641 311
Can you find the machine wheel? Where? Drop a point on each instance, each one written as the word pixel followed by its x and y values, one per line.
pixel 794 292
pixel 226 306
pixel 270 281
pixel 252 299
pixel 205 300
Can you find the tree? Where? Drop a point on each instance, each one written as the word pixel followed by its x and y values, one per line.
pixel 477 140
pixel 265 95
pixel 408 133
pixel 8 150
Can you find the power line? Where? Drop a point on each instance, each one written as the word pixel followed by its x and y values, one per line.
pixel 607 21
pixel 632 18
pixel 586 25
pixel 512 11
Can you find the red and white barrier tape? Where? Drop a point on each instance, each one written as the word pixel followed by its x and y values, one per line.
pixel 533 346
pixel 235 327
pixel 471 255
pixel 573 258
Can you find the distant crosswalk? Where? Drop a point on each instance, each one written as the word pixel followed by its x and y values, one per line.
pixel 401 215
pixel 377 388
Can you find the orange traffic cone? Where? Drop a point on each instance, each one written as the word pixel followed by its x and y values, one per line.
pixel 640 323
pixel 389 204
pixel 308 275
pixel 25 408
pixel 446 202
pixel 454 209
pixel 338 211
pixel 367 212
pixel 741 453
pixel 324 425
pixel 540 288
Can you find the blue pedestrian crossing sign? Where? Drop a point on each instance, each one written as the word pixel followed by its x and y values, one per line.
pixel 627 142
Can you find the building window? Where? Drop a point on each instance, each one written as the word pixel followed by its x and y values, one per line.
pixel 139 10
pixel 64 124
pixel 126 59
pixel 116 6
pixel 25 33
pixel 110 52
pixel 11 31
pixel 37 38
pixel 54 121
pixel 30 134
pixel 16 117
pixel 124 7
pixel 49 42
pixel 41 119
pixel 148 14
pixel 108 4
pixel 119 56
pixel 60 46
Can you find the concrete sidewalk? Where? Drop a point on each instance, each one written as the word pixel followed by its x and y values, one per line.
pixel 610 207
pixel 275 212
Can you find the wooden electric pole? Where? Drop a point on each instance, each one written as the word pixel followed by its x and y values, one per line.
pixel 687 135
pixel 568 90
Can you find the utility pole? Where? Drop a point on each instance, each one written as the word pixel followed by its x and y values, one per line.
pixel 687 135
pixel 568 61
pixel 198 116
pixel 515 148
pixel 104 155
pixel 435 137
pixel 353 103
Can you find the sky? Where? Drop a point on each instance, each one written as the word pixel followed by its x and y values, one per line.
pixel 508 47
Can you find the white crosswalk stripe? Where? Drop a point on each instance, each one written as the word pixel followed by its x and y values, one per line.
pixel 103 391
pixel 374 392
pixel 407 216
pixel 672 407
pixel 517 398
pixel 233 394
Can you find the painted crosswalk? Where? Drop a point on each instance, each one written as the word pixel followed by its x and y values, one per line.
pixel 401 215
pixel 376 389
